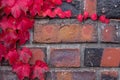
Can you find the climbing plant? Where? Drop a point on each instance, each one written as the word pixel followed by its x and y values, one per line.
pixel 16 19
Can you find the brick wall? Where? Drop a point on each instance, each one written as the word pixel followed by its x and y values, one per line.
pixel 77 51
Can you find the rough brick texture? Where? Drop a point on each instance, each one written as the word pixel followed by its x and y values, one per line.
pixel 109 75
pixel 90 6
pixel 88 50
pixel 65 57
pixel 108 7
pixel 54 33
pixel 107 57
pixel 73 75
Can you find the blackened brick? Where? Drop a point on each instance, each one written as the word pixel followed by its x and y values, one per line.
pixel 92 57
pixel 111 8
pixel 109 75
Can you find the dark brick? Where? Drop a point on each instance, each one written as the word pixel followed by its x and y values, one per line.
pixel 4 62
pixel 109 75
pixel 92 57
pixel 75 7
pixel 111 57
pixel 84 76
pixel 65 58
pixel 111 8
pixel 49 76
pixel 7 75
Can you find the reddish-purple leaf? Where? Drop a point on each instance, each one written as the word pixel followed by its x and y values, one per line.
pixel 80 17
pixel 94 17
pixel 39 69
pixel 3 51
pixel 25 55
pixel 12 57
pixel 23 36
pixel 22 70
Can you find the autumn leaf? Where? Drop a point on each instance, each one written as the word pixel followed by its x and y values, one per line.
pixel 39 69
pixel 12 57
pixel 22 70
pixel 25 54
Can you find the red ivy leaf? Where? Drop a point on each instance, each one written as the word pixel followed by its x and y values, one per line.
pixel 9 37
pixel 25 24
pixel 36 7
pixel 6 23
pixel 80 17
pixel 39 69
pixel 23 36
pixel 69 1
pixel 49 13
pixel 12 57
pixel 25 54
pixel 7 2
pixel 94 17
pixel 68 13
pixel 102 18
pixel 57 2
pixel 3 51
pixel 16 7
pixel 86 15
pixel 22 70
pixel 107 21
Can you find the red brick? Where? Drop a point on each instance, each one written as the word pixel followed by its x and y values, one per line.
pixel 71 75
pixel 109 75
pixel 85 75
pixel 64 76
pixel 90 6
pixel 111 57
pixel 88 33
pixel 108 33
pixel 70 33
pixel 46 33
pixel 37 54
pixel 65 58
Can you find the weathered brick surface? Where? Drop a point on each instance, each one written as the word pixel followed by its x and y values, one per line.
pixel 38 54
pixel 107 57
pixel 86 75
pixel 75 7
pixel 46 34
pixel 90 6
pixel 109 75
pixel 51 33
pixel 108 7
pixel 65 58
pixel 89 50
pixel 89 31
pixel 109 32
pixel 111 57
pixel 70 33
pixel 92 57
pixel 7 75
pixel 64 76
